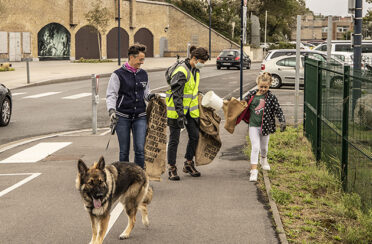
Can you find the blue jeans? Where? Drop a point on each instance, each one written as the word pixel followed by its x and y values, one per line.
pixel 138 127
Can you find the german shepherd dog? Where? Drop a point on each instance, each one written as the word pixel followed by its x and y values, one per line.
pixel 101 186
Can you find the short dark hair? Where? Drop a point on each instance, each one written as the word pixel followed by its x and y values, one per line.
pixel 136 49
pixel 199 53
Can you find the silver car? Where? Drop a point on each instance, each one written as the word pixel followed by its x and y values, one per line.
pixel 283 70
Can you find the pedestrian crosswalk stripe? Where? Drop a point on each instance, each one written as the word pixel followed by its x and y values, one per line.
pixel 18 93
pixel 114 215
pixel 35 153
pixel 18 184
pixel 76 96
pixel 42 94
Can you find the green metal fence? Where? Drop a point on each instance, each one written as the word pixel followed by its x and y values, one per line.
pixel 338 122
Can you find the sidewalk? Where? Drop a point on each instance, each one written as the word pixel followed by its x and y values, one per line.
pixel 65 70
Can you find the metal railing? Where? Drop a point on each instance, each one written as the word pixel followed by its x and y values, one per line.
pixel 338 122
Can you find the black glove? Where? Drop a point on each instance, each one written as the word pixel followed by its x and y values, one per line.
pixel 113 120
pixel 282 126
pixel 181 122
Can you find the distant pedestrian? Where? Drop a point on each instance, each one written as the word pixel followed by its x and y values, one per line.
pixel 263 108
pixel 183 110
pixel 127 90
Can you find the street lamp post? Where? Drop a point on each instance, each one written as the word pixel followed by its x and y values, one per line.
pixel 210 24
pixel 119 32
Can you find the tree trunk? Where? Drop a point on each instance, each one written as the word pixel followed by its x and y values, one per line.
pixel 99 46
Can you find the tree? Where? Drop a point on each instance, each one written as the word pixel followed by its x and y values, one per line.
pixel 99 18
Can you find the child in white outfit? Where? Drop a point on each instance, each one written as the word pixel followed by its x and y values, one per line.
pixel 263 108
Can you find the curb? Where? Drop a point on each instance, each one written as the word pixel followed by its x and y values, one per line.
pixel 275 211
pixel 84 77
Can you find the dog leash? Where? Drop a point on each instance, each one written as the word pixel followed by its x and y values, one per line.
pixel 113 129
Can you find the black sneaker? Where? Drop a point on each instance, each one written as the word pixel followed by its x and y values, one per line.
pixel 189 168
pixel 172 173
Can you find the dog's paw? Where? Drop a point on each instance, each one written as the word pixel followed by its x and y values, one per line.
pixel 124 236
pixel 146 222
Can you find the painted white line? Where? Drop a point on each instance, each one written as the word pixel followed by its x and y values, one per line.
pixel 42 94
pixel 11 188
pixel 36 153
pixel 77 96
pixel 160 88
pixel 105 133
pixel 18 93
pixel 114 216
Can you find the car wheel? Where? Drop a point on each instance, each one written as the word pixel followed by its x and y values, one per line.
pixel 337 82
pixel 218 67
pixel 277 82
pixel 5 112
pixel 249 66
pixel 228 67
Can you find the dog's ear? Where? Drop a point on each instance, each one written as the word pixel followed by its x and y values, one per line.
pixel 101 163
pixel 82 167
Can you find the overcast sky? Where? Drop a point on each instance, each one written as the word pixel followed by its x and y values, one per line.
pixel 332 7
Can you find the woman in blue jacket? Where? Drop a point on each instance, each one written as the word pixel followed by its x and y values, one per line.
pixel 127 90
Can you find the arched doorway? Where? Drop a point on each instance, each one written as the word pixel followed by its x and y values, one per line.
pixel 112 43
pixel 86 43
pixel 53 42
pixel 145 37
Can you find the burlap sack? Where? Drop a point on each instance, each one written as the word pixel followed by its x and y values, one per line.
pixel 232 109
pixel 209 142
pixel 156 138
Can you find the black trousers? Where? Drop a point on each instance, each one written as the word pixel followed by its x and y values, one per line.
pixel 192 128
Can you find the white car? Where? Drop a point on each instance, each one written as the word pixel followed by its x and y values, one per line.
pixel 283 71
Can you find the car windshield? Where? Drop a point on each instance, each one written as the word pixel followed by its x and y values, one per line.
pixel 229 53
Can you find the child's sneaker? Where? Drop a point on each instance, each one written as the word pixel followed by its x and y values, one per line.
pixel 254 174
pixel 264 164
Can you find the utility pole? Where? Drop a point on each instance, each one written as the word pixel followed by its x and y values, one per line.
pixel 265 26
pixel 357 46
pixel 119 56
pixel 210 24
pixel 243 3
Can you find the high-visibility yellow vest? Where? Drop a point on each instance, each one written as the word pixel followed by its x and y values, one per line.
pixel 190 95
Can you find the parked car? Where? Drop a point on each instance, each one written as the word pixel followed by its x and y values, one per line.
pixel 283 71
pixel 5 105
pixel 346 46
pixel 231 58
pixel 287 52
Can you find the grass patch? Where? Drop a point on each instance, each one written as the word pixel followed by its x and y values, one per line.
pixel 83 60
pixel 312 205
pixel 4 69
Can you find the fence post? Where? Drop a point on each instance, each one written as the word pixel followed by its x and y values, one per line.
pixel 345 127
pixel 95 100
pixel 318 110
pixel 304 102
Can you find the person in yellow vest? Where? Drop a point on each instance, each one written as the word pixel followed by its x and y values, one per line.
pixel 183 110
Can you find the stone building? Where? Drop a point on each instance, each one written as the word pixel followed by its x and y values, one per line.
pixel 315 27
pixel 58 29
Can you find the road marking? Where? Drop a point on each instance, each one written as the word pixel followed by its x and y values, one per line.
pixel 36 153
pixel 77 96
pixel 42 94
pixel 18 93
pixel 16 185
pixel 105 133
pixel 114 215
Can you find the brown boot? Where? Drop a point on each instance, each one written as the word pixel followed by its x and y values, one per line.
pixel 172 172
pixel 190 169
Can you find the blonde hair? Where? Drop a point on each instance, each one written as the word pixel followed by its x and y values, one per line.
pixel 265 77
